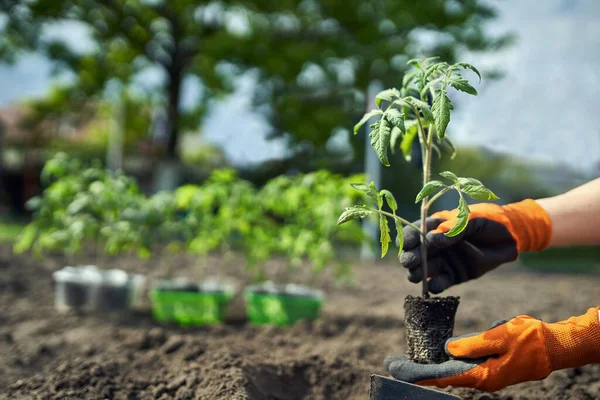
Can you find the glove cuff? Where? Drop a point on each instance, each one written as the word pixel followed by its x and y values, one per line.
pixel 574 342
pixel 530 225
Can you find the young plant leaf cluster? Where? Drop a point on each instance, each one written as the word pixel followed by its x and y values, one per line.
pixel 86 203
pixel 421 109
pixel 291 217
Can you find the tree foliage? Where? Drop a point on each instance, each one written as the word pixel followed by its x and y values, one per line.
pixel 314 60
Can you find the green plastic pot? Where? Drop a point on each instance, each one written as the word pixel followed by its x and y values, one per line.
pixel 268 304
pixel 190 307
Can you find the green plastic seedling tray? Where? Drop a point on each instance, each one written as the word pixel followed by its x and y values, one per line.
pixel 281 309
pixel 189 308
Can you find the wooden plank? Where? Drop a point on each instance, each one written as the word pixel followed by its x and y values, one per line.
pixel 383 388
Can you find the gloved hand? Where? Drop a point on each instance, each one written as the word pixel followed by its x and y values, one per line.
pixel 510 352
pixel 494 235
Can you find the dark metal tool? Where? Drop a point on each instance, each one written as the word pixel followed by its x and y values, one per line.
pixel 383 388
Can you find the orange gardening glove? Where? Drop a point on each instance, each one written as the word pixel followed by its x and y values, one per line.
pixel 519 350
pixel 494 235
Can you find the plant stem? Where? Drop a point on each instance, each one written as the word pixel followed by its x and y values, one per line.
pixel 424 207
pixel 437 196
pixel 405 222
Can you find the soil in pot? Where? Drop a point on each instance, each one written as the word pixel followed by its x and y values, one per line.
pixel 190 303
pixel 429 323
pixel 114 291
pixel 282 304
pixel 75 287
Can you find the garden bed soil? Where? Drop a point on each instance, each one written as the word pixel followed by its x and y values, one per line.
pixel 48 355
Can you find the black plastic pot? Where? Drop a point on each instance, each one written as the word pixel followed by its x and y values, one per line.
pixel 117 290
pixel 75 287
pixel 429 323
pixel 88 288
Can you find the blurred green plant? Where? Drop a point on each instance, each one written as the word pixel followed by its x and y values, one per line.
pixel 83 203
pixel 314 60
pixel 289 217
pixel 302 207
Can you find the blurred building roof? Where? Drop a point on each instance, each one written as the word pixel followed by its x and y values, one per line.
pixel 10 122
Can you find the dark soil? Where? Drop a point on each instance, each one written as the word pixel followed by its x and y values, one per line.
pixel 48 355
pixel 429 323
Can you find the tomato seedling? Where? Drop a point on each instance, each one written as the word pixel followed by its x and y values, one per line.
pixel 420 109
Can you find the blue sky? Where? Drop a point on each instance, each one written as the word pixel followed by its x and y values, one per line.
pixel 546 107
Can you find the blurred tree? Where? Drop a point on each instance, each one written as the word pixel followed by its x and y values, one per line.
pixel 313 59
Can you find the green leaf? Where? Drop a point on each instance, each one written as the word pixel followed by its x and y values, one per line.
pixel 463 218
pixel 463 85
pixel 476 190
pixel 441 112
pixel 421 105
pixel 432 69
pixel 380 140
pixel 429 189
pixel 415 62
pixel 25 239
pixel 369 190
pixel 430 59
pixel 354 212
pixel 387 95
pixel 407 141
pixel 365 118
pixel 396 118
pixel 472 68
pixel 449 175
pixel 399 236
pixel 396 133
pixel 390 199
pixel 144 253
pixel 430 85
pixel 385 238
pixel 409 77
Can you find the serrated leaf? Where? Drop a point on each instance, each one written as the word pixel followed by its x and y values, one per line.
pixel 408 78
pixel 369 190
pixel 463 85
pixel 352 213
pixel 441 112
pixel 365 118
pixel 385 237
pixel 429 189
pixel 472 68
pixel 432 70
pixel 430 85
pixel 449 175
pixel 396 133
pixel 430 59
pixel 463 218
pixel 399 236
pixel 387 95
pixel 415 62
pixel 476 190
pixel 421 105
pixel 380 140
pixel 396 118
pixel 407 141
pixel 390 199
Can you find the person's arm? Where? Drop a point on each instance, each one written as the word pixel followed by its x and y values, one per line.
pixel 575 216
